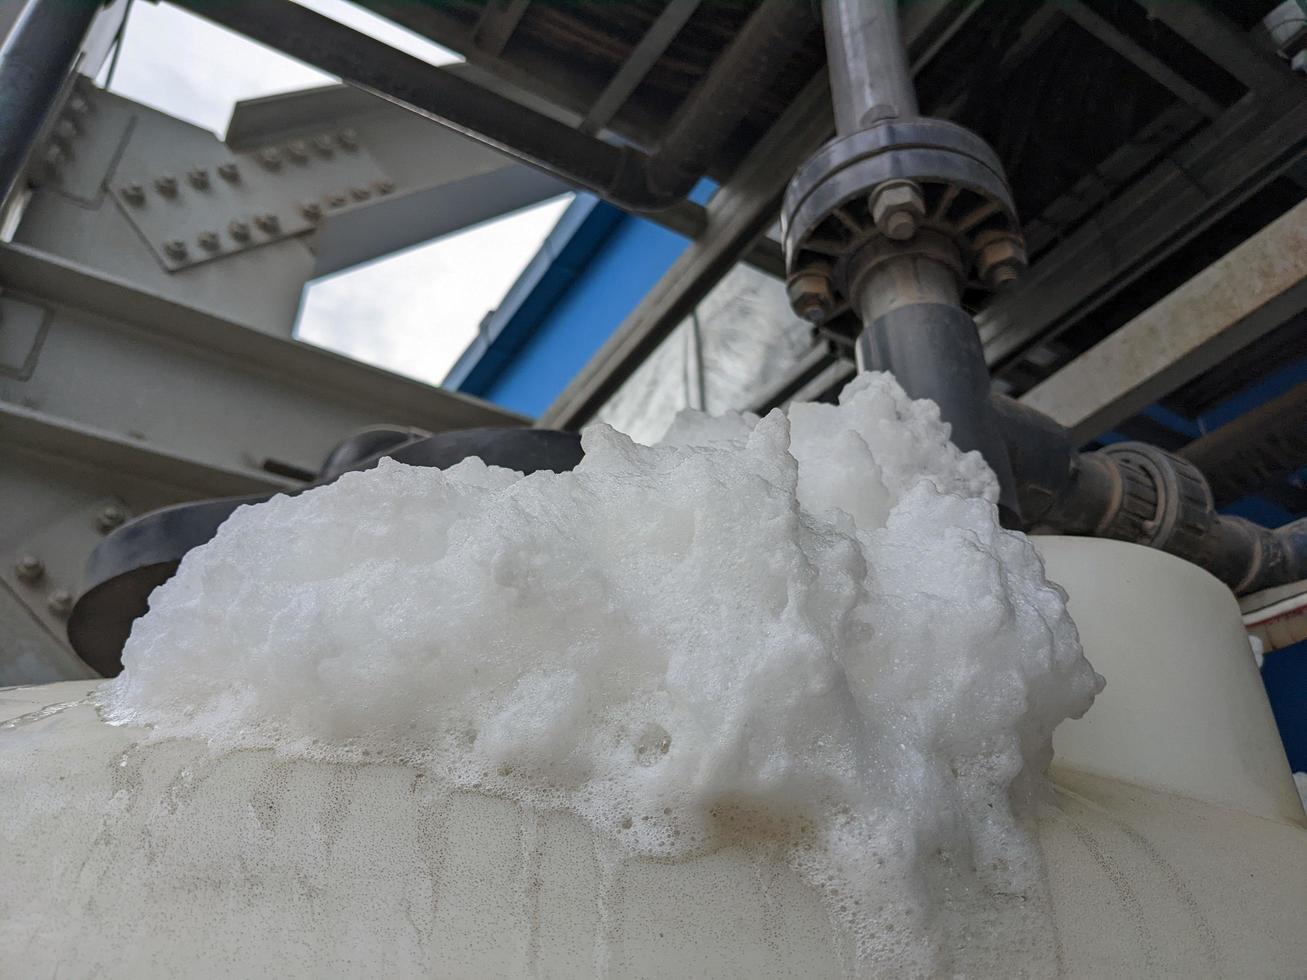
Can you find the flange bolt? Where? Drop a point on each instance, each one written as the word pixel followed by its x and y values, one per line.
pixel 1000 261
pixel 897 209
pixel 810 295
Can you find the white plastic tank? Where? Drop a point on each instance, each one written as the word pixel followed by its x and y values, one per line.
pixel 1176 845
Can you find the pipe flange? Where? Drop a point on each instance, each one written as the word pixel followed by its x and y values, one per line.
pixel 1166 504
pixel 833 204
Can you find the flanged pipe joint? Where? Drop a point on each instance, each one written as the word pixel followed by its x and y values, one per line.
pixel 892 218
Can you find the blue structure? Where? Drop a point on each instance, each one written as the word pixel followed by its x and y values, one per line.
pixel 590 273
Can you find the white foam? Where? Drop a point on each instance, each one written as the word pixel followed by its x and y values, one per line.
pixel 807 628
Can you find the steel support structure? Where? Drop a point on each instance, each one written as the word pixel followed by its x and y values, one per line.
pixel 1190 188
pixel 626 176
pixel 1234 301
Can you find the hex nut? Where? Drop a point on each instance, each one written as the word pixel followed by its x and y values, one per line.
pixel 208 241
pixel 337 200
pixel 229 172
pixel 110 517
pixel 268 223
pixel 1000 262
pixel 29 569
pixel 384 186
pixel 78 105
pixel 348 139
pixel 323 145
pixel 60 602
pixel 166 185
pixel 175 248
pixel 239 230
pixel 133 194
pixel 311 210
pixel 360 193
pixel 298 150
pixel 810 295
pixel 270 157
pixel 198 177
pixel 897 209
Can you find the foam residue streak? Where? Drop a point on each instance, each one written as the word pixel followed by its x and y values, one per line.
pixel 805 631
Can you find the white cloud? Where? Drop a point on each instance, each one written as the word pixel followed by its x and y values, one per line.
pixel 413 312
pixel 416 311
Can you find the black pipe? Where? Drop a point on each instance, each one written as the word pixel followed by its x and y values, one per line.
pixel 37 56
pixel 1136 492
pixel 625 176
pixel 934 352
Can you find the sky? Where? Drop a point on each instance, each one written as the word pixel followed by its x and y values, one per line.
pixel 413 312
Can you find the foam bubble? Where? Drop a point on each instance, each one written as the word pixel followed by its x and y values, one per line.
pixel 807 630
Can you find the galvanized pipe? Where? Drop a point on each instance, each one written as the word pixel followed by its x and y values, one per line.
pixel 625 176
pixel 37 56
pixel 868 63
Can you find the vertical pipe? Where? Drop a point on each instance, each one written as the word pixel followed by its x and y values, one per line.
pixel 868 63
pixel 36 58
pixel 914 328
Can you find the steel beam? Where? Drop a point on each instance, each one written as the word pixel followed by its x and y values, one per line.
pixel 1150 64
pixel 498 21
pixel 1121 166
pixel 383 394
pixel 1234 301
pixel 637 64
pixel 738 214
pixel 1221 41
pixel 48 436
pixel 1254 141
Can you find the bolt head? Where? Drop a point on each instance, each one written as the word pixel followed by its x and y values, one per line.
pixel 239 230
pixel 337 200
pixel 175 248
pixel 60 602
pixel 1000 262
pixel 166 185
pixel 208 240
pixel 360 193
pixel 229 172
pixel 29 569
pixel 323 145
pixel 810 295
pixel 348 139
pixel 311 210
pixel 110 517
pixel 897 209
pixel 198 177
pixel 78 106
pixel 134 193
pixel 384 186
pixel 270 157
pixel 66 130
pixel 268 223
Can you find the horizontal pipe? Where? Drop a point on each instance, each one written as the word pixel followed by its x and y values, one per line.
pixel 1140 493
pixel 623 175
